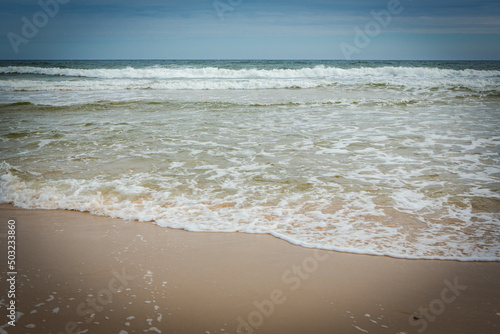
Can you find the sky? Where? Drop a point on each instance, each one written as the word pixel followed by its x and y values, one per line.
pixel 250 29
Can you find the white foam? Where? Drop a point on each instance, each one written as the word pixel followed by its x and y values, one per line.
pixel 410 201
pixel 129 84
pixel 213 78
pixel 320 71
pixel 348 229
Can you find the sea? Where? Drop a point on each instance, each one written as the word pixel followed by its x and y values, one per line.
pixel 395 158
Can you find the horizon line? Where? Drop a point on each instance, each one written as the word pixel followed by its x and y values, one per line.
pixel 233 59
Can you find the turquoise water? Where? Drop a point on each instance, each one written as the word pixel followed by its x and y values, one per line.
pixel 389 158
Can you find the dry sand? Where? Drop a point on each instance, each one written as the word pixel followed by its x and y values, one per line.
pixel 78 272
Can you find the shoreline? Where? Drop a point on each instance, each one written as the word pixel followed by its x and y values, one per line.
pixel 80 272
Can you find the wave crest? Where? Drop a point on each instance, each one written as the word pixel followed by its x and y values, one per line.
pixel 317 72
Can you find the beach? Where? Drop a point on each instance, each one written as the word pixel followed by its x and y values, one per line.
pixel 250 167
pixel 79 272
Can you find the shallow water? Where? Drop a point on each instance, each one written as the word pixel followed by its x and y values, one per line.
pixel 394 158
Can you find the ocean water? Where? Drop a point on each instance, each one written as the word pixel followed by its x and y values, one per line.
pixel 398 158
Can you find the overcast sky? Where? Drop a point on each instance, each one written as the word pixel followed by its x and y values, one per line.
pixel 250 29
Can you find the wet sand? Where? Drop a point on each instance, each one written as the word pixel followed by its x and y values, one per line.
pixel 82 273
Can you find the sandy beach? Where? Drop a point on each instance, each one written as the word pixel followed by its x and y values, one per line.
pixel 78 273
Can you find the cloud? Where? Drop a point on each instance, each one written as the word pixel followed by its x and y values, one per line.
pixel 298 22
